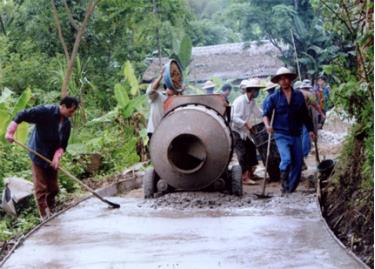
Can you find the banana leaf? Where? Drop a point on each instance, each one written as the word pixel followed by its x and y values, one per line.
pixel 5 95
pixel 133 105
pixel 109 117
pixel 185 51
pixel 21 102
pixel 22 131
pixel 121 95
pixel 4 121
pixel 131 78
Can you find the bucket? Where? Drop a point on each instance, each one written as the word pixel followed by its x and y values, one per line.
pixel 259 136
pixel 325 168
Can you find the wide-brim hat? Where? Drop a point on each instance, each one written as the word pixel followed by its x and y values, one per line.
pixel 270 85
pixel 251 83
pixel 283 71
pixel 297 85
pixel 306 85
pixel 208 84
pixel 306 81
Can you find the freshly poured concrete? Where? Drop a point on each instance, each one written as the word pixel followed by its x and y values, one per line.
pixel 277 233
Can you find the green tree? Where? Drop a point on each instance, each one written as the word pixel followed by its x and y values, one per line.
pixel 353 68
pixel 279 20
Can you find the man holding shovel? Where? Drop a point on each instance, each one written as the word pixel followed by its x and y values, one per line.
pixel 50 138
pixel 290 115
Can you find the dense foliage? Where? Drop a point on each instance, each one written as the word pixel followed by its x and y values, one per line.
pixel 351 194
pixel 352 70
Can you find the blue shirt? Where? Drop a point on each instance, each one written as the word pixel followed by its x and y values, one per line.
pixel 46 137
pixel 289 118
pixel 265 100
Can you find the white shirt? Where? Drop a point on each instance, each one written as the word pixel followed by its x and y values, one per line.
pixel 156 100
pixel 244 110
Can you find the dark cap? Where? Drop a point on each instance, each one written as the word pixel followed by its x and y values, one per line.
pixel 226 87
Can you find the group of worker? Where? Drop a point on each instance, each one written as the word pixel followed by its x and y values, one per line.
pixel 292 115
pixel 285 115
pixel 288 113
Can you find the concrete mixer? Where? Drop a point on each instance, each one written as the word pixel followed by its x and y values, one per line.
pixel 192 147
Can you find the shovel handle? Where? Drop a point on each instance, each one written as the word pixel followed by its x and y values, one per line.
pixel 316 152
pixel 267 156
pixel 67 173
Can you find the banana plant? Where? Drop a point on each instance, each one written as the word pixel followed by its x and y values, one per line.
pixel 8 111
pixel 127 95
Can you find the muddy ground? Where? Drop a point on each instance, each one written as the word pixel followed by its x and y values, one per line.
pixel 188 230
pixel 215 200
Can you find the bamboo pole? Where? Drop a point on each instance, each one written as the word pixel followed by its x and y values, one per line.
pixel 295 54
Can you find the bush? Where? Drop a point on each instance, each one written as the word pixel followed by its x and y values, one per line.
pixel 14 162
pixel 11 226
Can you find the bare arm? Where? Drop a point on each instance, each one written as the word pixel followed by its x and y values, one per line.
pixel 267 123
pixel 154 86
pixel 156 83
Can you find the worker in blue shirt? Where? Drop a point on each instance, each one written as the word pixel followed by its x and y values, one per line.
pixel 50 138
pixel 290 114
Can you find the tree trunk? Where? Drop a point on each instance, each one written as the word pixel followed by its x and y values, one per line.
pixel 296 5
pixel 59 31
pixel 155 11
pixel 71 58
pixel 3 26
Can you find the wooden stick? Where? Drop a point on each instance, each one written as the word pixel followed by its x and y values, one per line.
pixel 267 157
pixel 114 205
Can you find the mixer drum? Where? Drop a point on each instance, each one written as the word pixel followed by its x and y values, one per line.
pixel 191 147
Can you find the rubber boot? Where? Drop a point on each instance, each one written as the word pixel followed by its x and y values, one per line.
pixel 284 181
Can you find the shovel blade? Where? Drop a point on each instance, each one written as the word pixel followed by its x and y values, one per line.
pixel 263 196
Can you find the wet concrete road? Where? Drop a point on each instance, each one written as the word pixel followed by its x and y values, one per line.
pixel 276 233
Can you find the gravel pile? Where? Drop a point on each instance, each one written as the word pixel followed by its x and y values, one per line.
pixel 200 200
pixel 328 137
pixel 206 200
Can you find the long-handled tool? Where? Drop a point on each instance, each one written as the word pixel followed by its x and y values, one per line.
pixel 111 204
pixel 263 195
pixel 316 151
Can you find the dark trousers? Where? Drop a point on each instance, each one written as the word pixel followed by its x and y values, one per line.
pixel 245 151
pixel 46 187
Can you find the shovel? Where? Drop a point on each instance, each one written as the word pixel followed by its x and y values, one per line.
pixel 111 204
pixel 263 195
